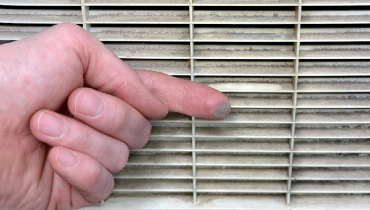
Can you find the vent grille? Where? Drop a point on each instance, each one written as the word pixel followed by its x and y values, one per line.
pixel 297 73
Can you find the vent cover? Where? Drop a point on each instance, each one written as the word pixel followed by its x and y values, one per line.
pixel 297 73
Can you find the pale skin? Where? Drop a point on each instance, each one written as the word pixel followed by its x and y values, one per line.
pixel 70 112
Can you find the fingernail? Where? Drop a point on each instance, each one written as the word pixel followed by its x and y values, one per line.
pixel 51 125
pixel 222 110
pixel 66 158
pixel 88 104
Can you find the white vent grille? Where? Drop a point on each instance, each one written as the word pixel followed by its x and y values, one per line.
pixel 297 73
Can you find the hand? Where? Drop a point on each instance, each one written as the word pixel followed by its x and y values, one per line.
pixel 60 141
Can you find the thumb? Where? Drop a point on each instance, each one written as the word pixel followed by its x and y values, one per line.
pixel 104 71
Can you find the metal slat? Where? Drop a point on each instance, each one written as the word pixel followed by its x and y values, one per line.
pixel 244 17
pixel 260 100
pixel 222 173
pixel 352 51
pixel 245 84
pixel 331 174
pixel 335 34
pixel 334 161
pixel 137 2
pixel 328 187
pixel 50 16
pixel 331 116
pixel 245 3
pixel 11 32
pixel 126 16
pixel 204 186
pixel 335 16
pixel 145 185
pixel 334 2
pixel 150 51
pixel 152 34
pixel 243 68
pixel 209 34
pixel 241 116
pixel 330 68
pixel 235 160
pixel 245 51
pixel 153 172
pixel 41 2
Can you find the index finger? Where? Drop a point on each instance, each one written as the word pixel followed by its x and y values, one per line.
pixel 187 97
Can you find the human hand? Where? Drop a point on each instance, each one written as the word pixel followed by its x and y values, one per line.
pixel 60 141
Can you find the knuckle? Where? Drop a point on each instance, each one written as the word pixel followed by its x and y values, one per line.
pixel 109 189
pixel 95 176
pixel 144 134
pixel 122 120
pixel 121 158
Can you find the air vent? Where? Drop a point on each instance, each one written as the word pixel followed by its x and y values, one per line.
pixel 297 73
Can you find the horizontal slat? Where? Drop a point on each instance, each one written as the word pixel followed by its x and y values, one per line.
pixel 334 84
pixel 211 34
pixel 49 16
pixel 267 131
pixel 333 146
pixel 152 51
pixel 333 116
pixel 331 174
pixel 164 34
pixel 244 68
pixel 141 185
pixel 137 2
pixel 333 16
pixel 332 131
pixel 185 201
pixel 154 159
pixel 171 131
pixel 335 34
pixel 244 16
pixel 174 117
pixel 243 51
pixel 338 161
pixel 241 187
pixel 330 68
pixel 248 84
pixel 138 16
pixel 241 146
pixel 41 2
pixel 222 173
pixel 12 32
pixel 150 172
pixel 156 145
pixel 253 116
pixel 179 68
pixel 246 3
pixel 334 2
pixel 330 187
pixel 263 100
pixel 335 51
pixel 276 202
pixel 242 160
pixel 334 100
pixel 338 202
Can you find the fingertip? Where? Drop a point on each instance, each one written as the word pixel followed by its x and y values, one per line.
pixel 221 110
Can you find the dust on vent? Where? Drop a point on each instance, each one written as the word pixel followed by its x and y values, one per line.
pixel 297 73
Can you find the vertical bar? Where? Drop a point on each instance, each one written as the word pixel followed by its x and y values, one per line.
pixel 191 29
pixel 295 96
pixel 85 14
